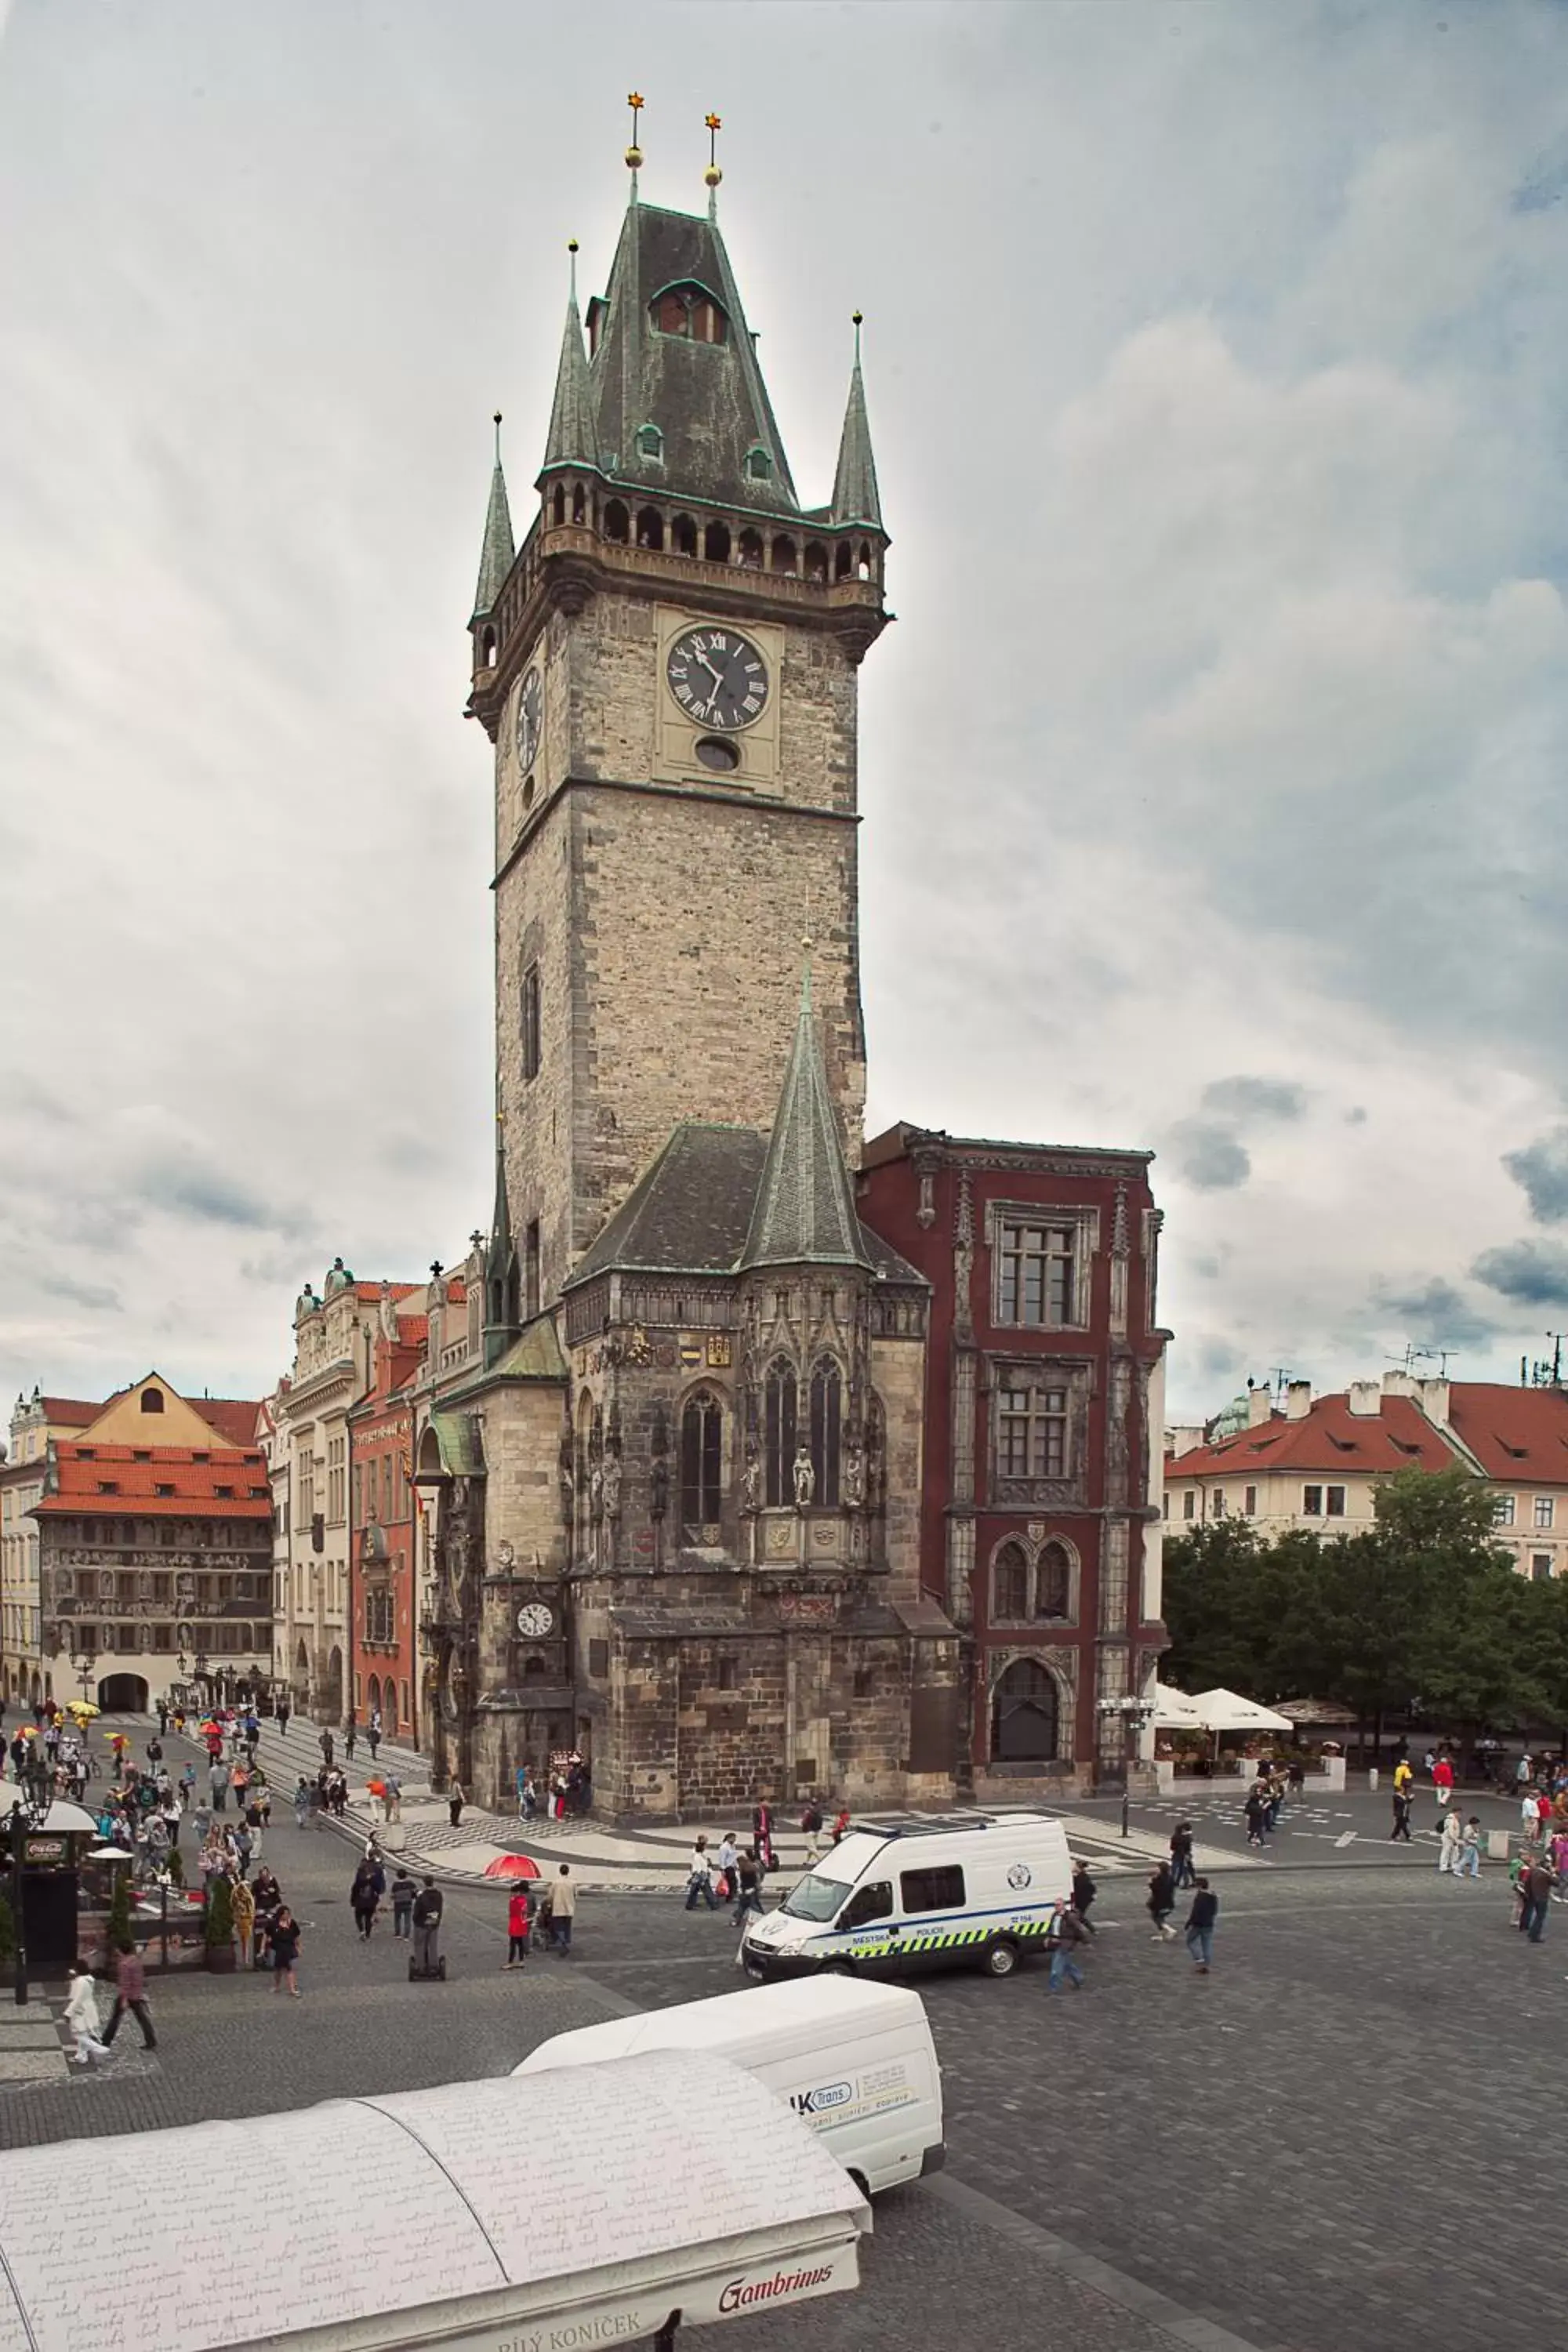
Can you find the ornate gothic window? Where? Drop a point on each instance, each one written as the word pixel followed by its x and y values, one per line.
pixel 826 1415
pixel 701 1465
pixel 1024 1715
pixel 779 1408
pixel 1032 1425
pixel 1010 1586
pixel 1053 1582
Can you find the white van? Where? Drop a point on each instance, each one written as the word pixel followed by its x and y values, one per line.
pixel 896 1902
pixel 856 2060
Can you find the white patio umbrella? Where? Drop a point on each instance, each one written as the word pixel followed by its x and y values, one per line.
pixel 1226 1710
pixel 1175 1711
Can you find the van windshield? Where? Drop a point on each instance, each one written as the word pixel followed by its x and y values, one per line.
pixel 815 1898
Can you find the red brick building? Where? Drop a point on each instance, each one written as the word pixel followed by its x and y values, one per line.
pixel 383 1665
pixel 1040 1533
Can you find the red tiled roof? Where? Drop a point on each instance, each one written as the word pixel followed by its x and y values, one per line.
pixel 1329 1438
pixel 231 1417
pixel 1514 1433
pixel 73 1410
pixel 81 1471
pixel 372 1290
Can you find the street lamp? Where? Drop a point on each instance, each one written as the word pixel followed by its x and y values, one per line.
pixel 1134 1712
pixel 83 1662
pixel 29 1812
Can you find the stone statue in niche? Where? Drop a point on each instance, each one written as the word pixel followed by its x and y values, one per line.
pixel 751 1482
pixel 854 1474
pixel 658 1487
pixel 612 1479
pixel 595 1491
pixel 804 1478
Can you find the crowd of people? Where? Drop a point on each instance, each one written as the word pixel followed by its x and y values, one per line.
pixel 736 1873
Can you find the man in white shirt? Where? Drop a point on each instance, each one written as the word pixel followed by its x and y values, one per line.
pixel 700 1878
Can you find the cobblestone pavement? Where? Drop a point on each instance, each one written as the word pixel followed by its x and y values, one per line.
pixel 1274 2157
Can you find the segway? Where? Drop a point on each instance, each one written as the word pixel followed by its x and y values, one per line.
pixel 417 1975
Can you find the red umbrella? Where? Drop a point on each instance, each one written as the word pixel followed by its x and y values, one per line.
pixel 512 1866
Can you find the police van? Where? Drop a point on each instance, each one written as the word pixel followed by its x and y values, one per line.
pixel 890 1900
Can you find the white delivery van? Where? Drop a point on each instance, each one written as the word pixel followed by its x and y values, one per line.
pixel 896 1902
pixel 856 2060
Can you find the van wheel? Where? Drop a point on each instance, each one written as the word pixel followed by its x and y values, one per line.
pixel 836 1968
pixel 1001 1957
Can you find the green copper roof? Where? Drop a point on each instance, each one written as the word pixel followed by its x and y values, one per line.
pixel 499 549
pixel 855 494
pixel 457 1439
pixel 573 439
pixel 804 1210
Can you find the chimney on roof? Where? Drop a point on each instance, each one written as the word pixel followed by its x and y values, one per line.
pixel 1259 1404
pixel 1434 1400
pixel 1398 1383
pixel 1366 1399
pixel 1298 1400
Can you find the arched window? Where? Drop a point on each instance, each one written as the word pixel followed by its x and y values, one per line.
pixel 815 561
pixel 844 562
pixel 827 1412
pixel 785 558
pixel 651 442
pixel 779 1405
pixel 152 1400
pixel 1053 1582
pixel 486 649
pixel 650 527
pixel 1010 1585
pixel 1024 1715
pixel 702 1462
pixel 863 565
pixel 683 531
pixel 759 465
pixel 709 324
pixel 716 543
pixel 579 503
pixel 533 1668
pixel 751 550
pixel 617 523
pixel 558 506
pixel 670 315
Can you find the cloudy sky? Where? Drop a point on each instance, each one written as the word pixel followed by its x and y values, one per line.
pixel 1214 775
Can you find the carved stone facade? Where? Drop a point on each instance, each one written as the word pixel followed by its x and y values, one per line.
pixel 1041 1524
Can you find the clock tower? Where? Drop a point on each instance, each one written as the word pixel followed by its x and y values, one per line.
pixel 668 669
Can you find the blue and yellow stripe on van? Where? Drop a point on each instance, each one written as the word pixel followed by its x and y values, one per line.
pixel 1034 1927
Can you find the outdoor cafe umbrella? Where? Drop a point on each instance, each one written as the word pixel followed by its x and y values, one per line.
pixel 1226 1710
pixel 1175 1711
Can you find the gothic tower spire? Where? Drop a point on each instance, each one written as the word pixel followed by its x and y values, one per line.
pixel 855 494
pixel 503 1301
pixel 572 439
pixel 804 1212
pixel 498 548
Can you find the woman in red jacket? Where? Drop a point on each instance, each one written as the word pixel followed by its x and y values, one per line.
pixel 517 1918
pixel 1442 1781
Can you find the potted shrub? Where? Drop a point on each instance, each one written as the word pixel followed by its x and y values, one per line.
pixel 220 1925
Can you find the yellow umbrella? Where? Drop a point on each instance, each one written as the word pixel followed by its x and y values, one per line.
pixel 80 1707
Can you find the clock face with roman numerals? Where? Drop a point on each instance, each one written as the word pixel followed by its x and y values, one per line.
pixel 718 677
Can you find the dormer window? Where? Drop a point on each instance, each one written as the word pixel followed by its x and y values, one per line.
pixel 758 464
pixel 691 312
pixel 650 443
pixel 152 1400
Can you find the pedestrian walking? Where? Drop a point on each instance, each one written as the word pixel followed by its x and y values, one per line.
pixel 130 1994
pixel 1468 1863
pixel 285 1940
pixel 162 1718
pixel 373 1732
pixel 328 1746
pixel 394 1796
pixel 1449 1842
pixel 301 1801
pixel 1442 1781
pixel 82 2017
pixel 282 1713
pixel 811 1823
pixel 1530 1816
pixel 364 1895
pixel 700 1878
pixel 455 1801
pixel 1084 1891
pixel 428 1906
pixel 1200 1930
pixel 187 1786
pixel 404 1891
pixel 728 1856
pixel 1181 1873
pixel 749 1879
pixel 841 1825
pixel 351 1734
pixel 762 1833
pixel 516 1927
pixel 1537 1882
pixel 218 1780
pixel 1256 1814
pixel 1401 1816
pixel 1066 1934
pixel 562 1910
pixel 1161 1903
pixel 527 1795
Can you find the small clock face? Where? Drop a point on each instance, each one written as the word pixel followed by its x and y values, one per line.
pixel 535 1620
pixel 530 717
pixel 719 677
